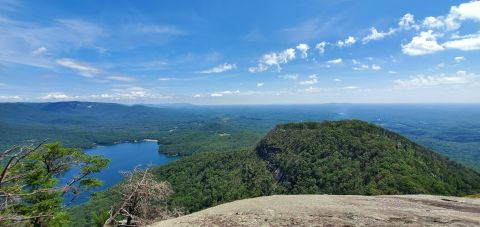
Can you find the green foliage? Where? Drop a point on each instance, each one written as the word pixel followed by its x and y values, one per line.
pixel 354 157
pixel 32 183
pixel 99 217
pixel 207 137
pixel 211 178
pixel 199 181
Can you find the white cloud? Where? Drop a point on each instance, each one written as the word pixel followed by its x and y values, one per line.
pixel 376 35
pixel 361 67
pixel 10 97
pixel 197 96
pixel 425 43
pixel 335 61
pixel 337 80
pixel 466 44
pixel 289 76
pixel 220 68
pixel 39 51
pixel 224 93
pixel 121 78
pixel 164 79
pixel 350 87
pixel 83 69
pixel 55 95
pixel 469 10
pixel 459 58
pixel 392 72
pixel 260 84
pixel 376 67
pixel 347 42
pixel 312 79
pixel 321 47
pixel 452 21
pixel 460 78
pixel 407 22
pixel 274 59
pixel 433 22
pixel 303 48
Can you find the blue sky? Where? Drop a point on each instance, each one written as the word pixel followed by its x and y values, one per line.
pixel 242 52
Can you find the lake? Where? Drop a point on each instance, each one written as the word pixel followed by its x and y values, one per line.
pixel 123 157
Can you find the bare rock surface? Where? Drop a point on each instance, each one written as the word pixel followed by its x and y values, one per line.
pixel 338 210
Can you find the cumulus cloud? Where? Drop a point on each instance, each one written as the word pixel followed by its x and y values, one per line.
pixel 303 49
pixel 464 11
pixel 274 59
pixel 83 69
pixel 335 61
pixel 321 47
pixel 433 22
pixel 376 35
pixel 407 22
pixel 460 78
pixel 347 42
pixel 312 79
pixel 220 68
pixel 425 43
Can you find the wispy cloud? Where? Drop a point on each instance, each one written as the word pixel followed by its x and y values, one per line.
pixel 225 93
pixel 121 78
pixel 289 76
pixel 312 79
pixel 335 61
pixel 376 35
pixel 460 78
pixel 139 28
pixel 220 68
pixel 82 68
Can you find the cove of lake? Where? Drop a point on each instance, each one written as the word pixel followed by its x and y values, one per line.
pixel 123 157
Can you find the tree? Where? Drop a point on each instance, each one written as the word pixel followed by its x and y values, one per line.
pixel 29 182
pixel 143 200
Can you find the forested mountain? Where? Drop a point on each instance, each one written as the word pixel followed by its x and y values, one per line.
pixel 355 157
pixel 339 157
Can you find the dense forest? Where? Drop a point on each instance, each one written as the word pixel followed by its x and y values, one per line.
pixel 355 157
pixel 451 130
pixel 340 157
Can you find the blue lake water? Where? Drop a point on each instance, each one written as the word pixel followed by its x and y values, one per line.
pixel 123 157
